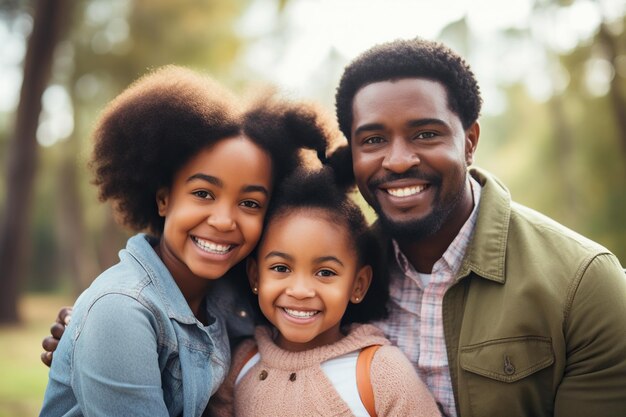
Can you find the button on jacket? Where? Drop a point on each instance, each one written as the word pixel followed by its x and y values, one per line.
pixel 535 324
pixel 134 348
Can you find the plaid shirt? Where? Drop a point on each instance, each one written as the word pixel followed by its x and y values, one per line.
pixel 415 322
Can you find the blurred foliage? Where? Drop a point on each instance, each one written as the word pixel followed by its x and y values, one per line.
pixel 564 156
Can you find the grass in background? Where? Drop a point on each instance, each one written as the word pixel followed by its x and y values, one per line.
pixel 24 376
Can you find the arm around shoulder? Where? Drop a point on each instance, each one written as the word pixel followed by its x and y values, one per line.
pixel 398 391
pixel 594 379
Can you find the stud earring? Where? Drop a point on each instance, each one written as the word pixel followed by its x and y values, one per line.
pixel 356 299
pixel 255 289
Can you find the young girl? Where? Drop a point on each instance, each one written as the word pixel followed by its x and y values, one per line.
pixel 311 272
pixel 178 159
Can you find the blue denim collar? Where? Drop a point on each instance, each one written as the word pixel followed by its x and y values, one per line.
pixel 141 248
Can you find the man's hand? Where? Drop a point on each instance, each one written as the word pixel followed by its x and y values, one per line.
pixel 51 342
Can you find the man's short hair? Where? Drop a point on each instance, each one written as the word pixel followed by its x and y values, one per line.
pixel 411 58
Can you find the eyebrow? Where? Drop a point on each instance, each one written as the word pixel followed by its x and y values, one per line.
pixel 288 257
pixel 208 178
pixel 256 188
pixel 219 183
pixel 369 127
pixel 322 259
pixel 278 254
pixel 424 122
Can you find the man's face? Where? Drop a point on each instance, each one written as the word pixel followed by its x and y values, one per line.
pixel 410 155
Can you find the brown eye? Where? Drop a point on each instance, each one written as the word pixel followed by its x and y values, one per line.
pixel 280 268
pixel 204 194
pixel 326 273
pixel 372 140
pixel 250 204
pixel 426 135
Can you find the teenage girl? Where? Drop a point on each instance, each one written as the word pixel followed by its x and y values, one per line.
pixel 311 272
pixel 179 159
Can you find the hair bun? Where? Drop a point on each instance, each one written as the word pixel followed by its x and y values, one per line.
pixel 341 163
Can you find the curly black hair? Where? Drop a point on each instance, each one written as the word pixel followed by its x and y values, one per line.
pixel 328 190
pixel 148 132
pixel 410 58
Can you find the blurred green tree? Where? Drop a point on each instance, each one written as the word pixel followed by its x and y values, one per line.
pixel 563 153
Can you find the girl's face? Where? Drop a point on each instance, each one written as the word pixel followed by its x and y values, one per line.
pixel 214 209
pixel 306 273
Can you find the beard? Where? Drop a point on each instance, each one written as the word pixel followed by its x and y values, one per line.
pixel 425 227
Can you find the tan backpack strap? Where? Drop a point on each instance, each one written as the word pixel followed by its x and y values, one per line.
pixel 248 356
pixel 363 382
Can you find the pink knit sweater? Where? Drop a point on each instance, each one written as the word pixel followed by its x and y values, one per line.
pixel 285 383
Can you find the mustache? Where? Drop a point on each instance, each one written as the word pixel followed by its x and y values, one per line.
pixel 413 174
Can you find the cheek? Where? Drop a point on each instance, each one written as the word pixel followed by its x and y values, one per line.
pixel 446 160
pixel 359 166
pixel 251 228
pixel 269 290
pixel 339 293
pixel 364 167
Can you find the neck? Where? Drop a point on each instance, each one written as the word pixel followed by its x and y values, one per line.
pixel 193 288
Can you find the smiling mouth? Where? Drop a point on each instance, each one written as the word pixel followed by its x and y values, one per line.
pixel 298 314
pixel 212 247
pixel 406 191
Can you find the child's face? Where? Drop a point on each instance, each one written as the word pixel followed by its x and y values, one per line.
pixel 214 209
pixel 307 272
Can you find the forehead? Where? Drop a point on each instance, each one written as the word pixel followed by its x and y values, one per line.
pixel 232 158
pixel 308 223
pixel 395 98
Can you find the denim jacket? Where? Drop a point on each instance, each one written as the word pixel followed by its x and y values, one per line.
pixel 134 348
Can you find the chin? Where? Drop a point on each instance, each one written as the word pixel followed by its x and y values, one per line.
pixel 210 275
pixel 411 229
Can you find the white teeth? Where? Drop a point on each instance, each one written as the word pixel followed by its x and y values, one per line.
pixel 406 191
pixel 212 247
pixel 300 314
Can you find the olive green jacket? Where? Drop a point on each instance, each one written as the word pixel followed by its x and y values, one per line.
pixel 535 324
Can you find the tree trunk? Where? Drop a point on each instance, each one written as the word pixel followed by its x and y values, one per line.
pixel 564 150
pixel 22 152
pixel 78 254
pixel 610 44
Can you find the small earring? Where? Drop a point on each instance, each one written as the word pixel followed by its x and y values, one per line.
pixel 255 289
pixel 356 299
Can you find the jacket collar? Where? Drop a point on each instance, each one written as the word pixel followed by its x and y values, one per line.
pixel 486 253
pixel 140 247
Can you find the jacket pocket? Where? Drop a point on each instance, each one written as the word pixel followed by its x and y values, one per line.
pixel 508 360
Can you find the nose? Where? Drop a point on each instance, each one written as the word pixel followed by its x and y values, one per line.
pixel 400 157
pixel 221 218
pixel 299 288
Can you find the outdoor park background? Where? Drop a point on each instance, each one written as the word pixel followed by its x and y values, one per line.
pixel 553 75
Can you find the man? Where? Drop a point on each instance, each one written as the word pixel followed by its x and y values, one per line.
pixel 503 311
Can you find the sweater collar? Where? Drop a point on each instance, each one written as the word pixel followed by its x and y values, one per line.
pixel 358 337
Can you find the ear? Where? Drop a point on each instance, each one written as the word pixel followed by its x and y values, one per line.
pixel 362 282
pixel 162 200
pixel 471 142
pixel 252 268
